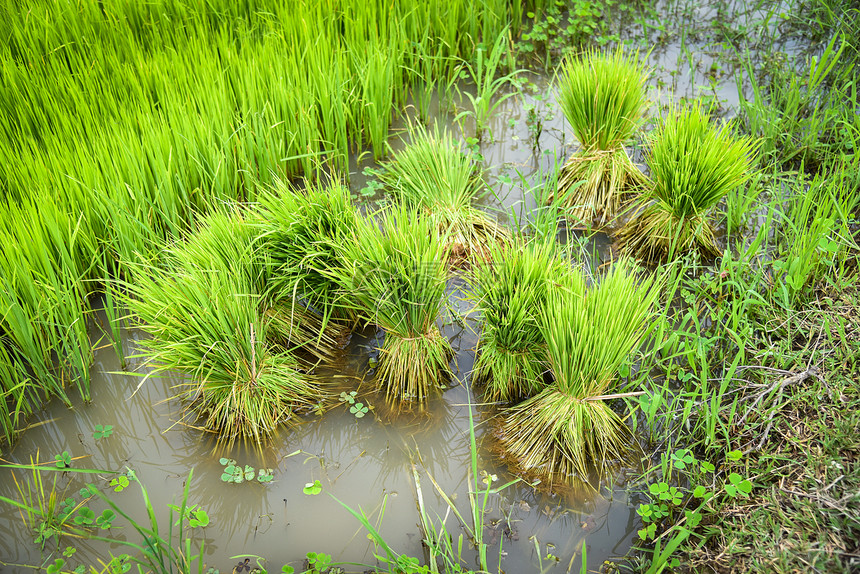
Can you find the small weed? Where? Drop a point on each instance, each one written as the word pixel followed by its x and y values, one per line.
pixel 102 431
pixel 359 410
pixel 85 516
pixel 312 488
pixel 318 562
pixel 119 483
pixel 194 516
pixel 64 460
pixel 106 519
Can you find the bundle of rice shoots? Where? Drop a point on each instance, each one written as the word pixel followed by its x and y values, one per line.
pixel 304 231
pixel 510 291
pixel 694 163
pixel 567 430
pixel 394 277
pixel 434 177
pixel 205 313
pixel 602 97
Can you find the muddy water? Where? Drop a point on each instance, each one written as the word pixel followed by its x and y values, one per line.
pixel 363 462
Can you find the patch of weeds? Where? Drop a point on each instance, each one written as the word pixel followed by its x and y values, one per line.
pixel 373 186
pixel 356 408
pixel 318 562
pixel 237 474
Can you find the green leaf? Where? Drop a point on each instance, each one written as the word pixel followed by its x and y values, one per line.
pixel 201 519
pixel 85 516
pixel 107 517
pixel 312 488
pixel 693 518
pixel 265 475
pixel 56 567
pixel 101 432
pixel 64 460
pixel 700 491
pixel 119 483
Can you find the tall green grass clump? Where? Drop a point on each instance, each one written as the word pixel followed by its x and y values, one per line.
pixel 694 164
pixel 510 292
pixel 434 177
pixel 205 309
pixel 393 273
pixel 602 97
pixel 568 429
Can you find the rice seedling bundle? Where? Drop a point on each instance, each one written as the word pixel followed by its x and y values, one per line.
pixel 602 97
pixel 694 163
pixel 304 231
pixel 206 314
pixel 394 271
pixel 434 177
pixel 510 292
pixel 568 429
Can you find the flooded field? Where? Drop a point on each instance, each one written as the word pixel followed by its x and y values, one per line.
pixel 300 482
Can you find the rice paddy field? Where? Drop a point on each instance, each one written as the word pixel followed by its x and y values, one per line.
pixel 429 286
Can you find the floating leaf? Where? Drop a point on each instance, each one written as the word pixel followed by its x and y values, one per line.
pixel 312 488
pixel 265 475
pixel 85 515
pixel 119 483
pixel 102 431
pixel 359 410
pixel 64 460
pixel 199 518
pixel 107 517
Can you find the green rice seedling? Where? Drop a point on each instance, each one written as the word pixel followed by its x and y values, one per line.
pixel 434 177
pixel 510 292
pixel 602 97
pixel 568 429
pixel 205 309
pixel 487 85
pixel 693 165
pixel 393 273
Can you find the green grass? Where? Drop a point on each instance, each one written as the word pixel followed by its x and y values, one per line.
pixel 602 96
pixel 510 292
pixel 393 275
pixel 433 176
pixel 694 164
pixel 568 430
